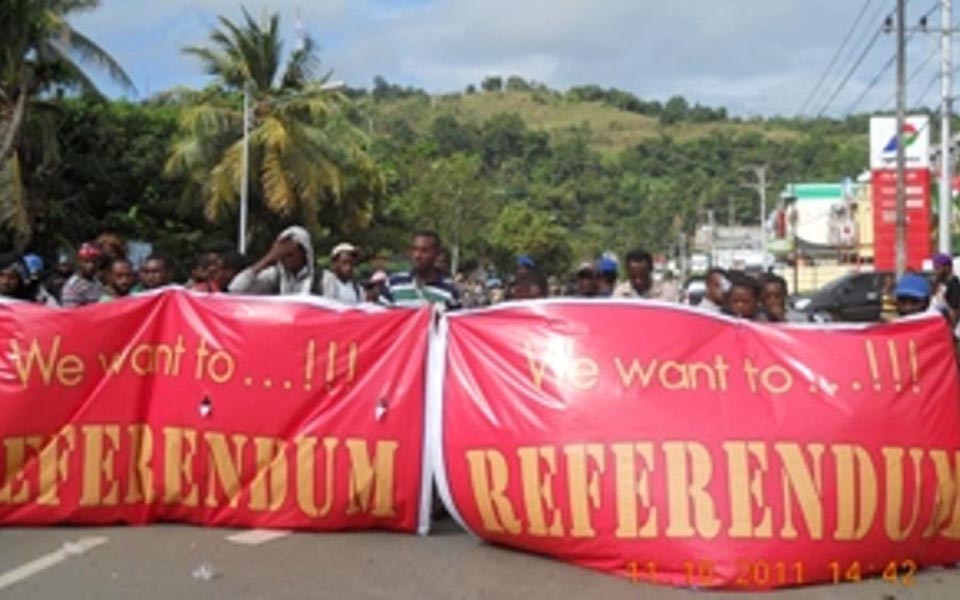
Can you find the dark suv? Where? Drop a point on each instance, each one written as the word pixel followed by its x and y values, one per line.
pixel 855 297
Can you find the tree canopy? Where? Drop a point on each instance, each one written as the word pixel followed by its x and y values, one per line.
pixel 40 53
pixel 307 161
pixel 508 167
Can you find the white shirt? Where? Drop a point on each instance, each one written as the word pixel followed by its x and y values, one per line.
pixel 347 292
pixel 709 305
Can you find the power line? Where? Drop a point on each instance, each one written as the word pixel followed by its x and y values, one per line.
pixel 861 46
pixel 930 84
pixel 926 91
pixel 912 76
pixel 836 55
pixel 856 64
pixel 883 70
pixel 875 17
pixel 930 10
pixel 873 83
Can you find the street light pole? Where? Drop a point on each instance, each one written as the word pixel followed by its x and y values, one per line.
pixel 244 173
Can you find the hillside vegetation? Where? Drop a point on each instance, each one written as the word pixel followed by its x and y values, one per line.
pixel 498 171
pixel 612 129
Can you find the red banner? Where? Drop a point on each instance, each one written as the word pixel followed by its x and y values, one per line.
pixel 213 410
pixel 884 186
pixel 675 447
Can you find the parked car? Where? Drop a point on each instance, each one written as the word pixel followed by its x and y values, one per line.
pixel 855 297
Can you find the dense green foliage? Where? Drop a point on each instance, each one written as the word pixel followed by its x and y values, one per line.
pixel 41 55
pixel 307 159
pixel 493 187
pixel 509 166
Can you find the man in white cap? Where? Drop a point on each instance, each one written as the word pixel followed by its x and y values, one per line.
pixel 338 282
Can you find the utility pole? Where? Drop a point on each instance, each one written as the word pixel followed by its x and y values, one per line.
pixel 244 173
pixel 946 164
pixel 901 248
pixel 760 171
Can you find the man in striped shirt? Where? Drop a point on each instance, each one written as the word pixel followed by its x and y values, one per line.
pixel 424 284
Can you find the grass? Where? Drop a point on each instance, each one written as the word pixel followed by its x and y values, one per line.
pixel 612 129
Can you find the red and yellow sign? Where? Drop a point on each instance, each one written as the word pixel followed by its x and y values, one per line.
pixel 675 447
pixel 653 442
pixel 213 410
pixel 918 240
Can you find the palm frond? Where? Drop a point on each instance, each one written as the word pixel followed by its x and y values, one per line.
pixel 223 188
pixel 273 133
pixel 208 120
pixel 278 191
pixel 69 72
pixel 65 7
pixel 222 65
pixel 302 67
pixel 90 52
pixel 186 154
pixel 14 210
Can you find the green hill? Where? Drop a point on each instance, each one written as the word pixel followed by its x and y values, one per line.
pixel 611 129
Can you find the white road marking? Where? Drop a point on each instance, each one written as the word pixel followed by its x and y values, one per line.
pixel 49 560
pixel 255 537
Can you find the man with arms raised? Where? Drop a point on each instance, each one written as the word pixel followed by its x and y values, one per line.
pixel 287 269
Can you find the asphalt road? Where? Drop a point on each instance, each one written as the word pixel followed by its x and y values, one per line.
pixel 160 561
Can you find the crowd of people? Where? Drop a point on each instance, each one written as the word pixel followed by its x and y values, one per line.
pixel 102 272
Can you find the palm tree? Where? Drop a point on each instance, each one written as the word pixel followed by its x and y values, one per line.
pixel 39 53
pixel 306 157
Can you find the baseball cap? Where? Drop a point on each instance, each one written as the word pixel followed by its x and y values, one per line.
pixel 913 286
pixel 524 260
pixel 343 247
pixel 606 265
pixel 586 267
pixel 33 263
pixel 89 251
pixel 942 260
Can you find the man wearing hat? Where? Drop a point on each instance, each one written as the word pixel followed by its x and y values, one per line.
pixel 586 280
pixel 912 295
pixel 606 277
pixel 946 292
pixel 12 278
pixel 337 282
pixel 84 287
pixel 33 268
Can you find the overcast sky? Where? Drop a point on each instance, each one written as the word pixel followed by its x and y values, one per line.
pixel 752 56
